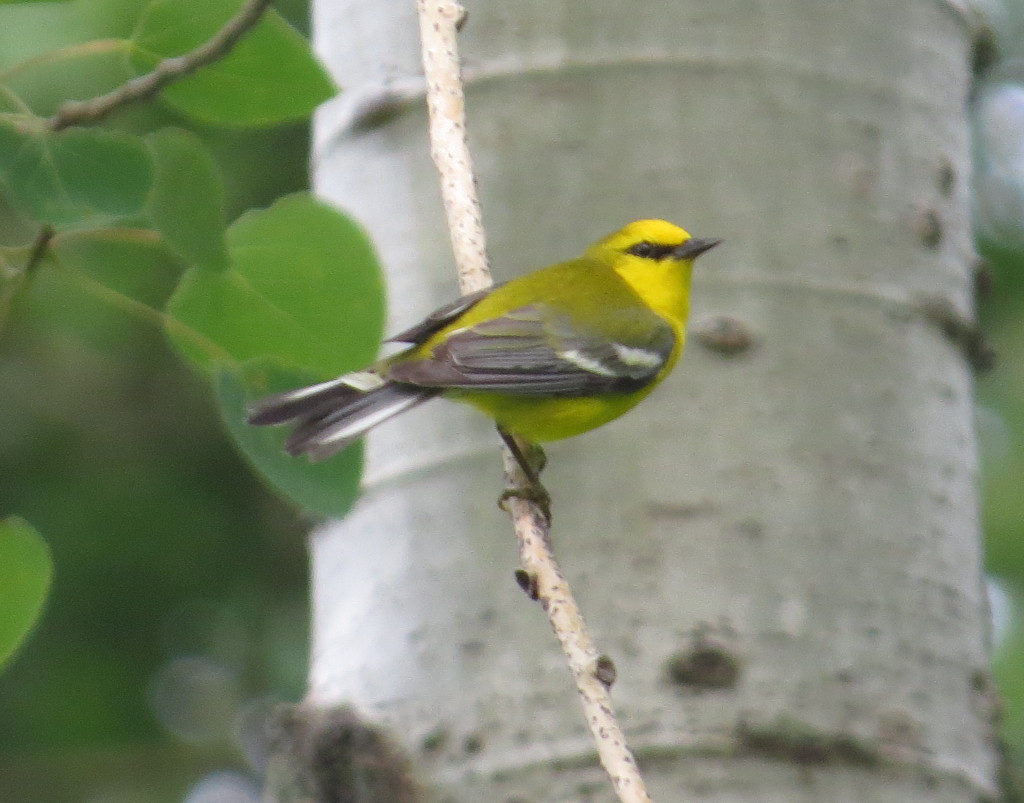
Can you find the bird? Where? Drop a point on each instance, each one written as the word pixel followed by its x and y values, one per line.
pixel 548 355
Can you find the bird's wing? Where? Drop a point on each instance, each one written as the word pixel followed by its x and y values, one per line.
pixel 440 318
pixel 539 351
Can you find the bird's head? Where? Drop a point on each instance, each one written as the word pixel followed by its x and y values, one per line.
pixel 655 240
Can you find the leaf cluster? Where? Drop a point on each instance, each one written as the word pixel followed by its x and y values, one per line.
pixel 108 189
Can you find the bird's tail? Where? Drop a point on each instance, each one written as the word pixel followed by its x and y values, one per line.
pixel 332 415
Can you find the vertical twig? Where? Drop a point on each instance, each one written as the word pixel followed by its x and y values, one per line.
pixel 449 148
pixel 592 672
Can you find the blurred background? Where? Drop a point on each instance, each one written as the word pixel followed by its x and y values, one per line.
pixel 997 118
pixel 178 611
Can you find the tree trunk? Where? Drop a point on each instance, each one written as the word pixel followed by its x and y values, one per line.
pixel 780 549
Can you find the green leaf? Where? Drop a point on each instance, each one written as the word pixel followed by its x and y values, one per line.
pixel 187 201
pixel 72 175
pixel 270 76
pixel 303 286
pixel 26 571
pixel 13 261
pixel 302 301
pixel 329 488
pixel 133 262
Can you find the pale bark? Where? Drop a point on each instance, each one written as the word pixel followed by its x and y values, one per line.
pixel 806 507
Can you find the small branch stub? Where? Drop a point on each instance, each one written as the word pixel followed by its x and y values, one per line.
pixel 605 671
pixel 527 582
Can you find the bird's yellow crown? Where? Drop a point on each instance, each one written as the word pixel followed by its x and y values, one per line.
pixel 657 232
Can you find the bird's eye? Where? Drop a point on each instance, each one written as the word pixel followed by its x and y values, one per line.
pixel 643 249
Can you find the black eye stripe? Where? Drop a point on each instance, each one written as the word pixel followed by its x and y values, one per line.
pixel 649 250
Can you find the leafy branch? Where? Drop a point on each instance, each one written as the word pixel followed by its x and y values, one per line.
pixel 166 72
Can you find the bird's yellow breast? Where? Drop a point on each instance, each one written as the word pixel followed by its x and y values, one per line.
pixel 554 418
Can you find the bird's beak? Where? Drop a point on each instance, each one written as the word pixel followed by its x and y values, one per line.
pixel 694 247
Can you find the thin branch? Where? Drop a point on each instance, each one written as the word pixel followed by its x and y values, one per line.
pixel 16 278
pixel 166 72
pixel 448 146
pixel 40 246
pixel 439 20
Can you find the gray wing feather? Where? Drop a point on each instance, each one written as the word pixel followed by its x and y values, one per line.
pixel 440 318
pixel 537 351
